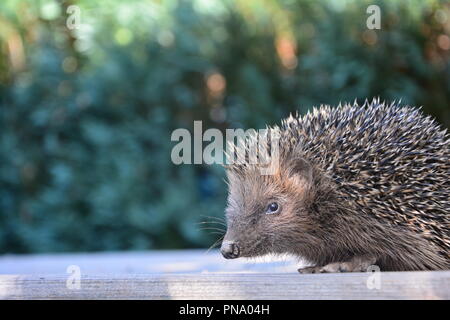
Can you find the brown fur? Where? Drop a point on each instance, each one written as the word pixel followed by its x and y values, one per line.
pixel 373 181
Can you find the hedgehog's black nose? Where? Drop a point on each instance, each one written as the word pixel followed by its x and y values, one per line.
pixel 229 250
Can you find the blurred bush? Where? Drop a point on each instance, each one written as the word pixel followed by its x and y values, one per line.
pixel 86 113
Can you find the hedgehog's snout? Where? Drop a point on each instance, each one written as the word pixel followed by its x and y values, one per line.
pixel 230 250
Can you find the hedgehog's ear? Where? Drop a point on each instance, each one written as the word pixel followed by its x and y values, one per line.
pixel 301 173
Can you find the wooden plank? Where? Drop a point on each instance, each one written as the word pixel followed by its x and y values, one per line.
pixel 197 274
pixel 393 285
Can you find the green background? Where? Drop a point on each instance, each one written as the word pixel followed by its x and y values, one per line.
pixel 86 114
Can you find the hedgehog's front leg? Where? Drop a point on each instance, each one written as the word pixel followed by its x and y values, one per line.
pixel 356 264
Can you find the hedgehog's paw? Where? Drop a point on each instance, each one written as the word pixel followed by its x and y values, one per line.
pixel 309 270
pixel 329 268
pixel 336 267
pixel 357 264
pixel 361 263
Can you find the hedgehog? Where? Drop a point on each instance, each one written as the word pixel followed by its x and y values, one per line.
pixel 356 186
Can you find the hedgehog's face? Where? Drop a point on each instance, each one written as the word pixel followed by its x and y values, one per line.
pixel 265 213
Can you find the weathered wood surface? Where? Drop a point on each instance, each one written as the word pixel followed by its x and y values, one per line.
pixel 400 285
pixel 195 275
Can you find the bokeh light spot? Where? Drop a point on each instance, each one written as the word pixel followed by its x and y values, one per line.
pixel 216 83
pixel 370 37
pixel 69 64
pixel 50 10
pixel 443 42
pixel 166 38
pixel 286 48
pixel 441 16
pixel 123 36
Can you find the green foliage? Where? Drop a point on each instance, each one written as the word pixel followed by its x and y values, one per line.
pixel 87 114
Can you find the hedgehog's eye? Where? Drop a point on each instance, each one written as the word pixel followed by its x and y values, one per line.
pixel 272 208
